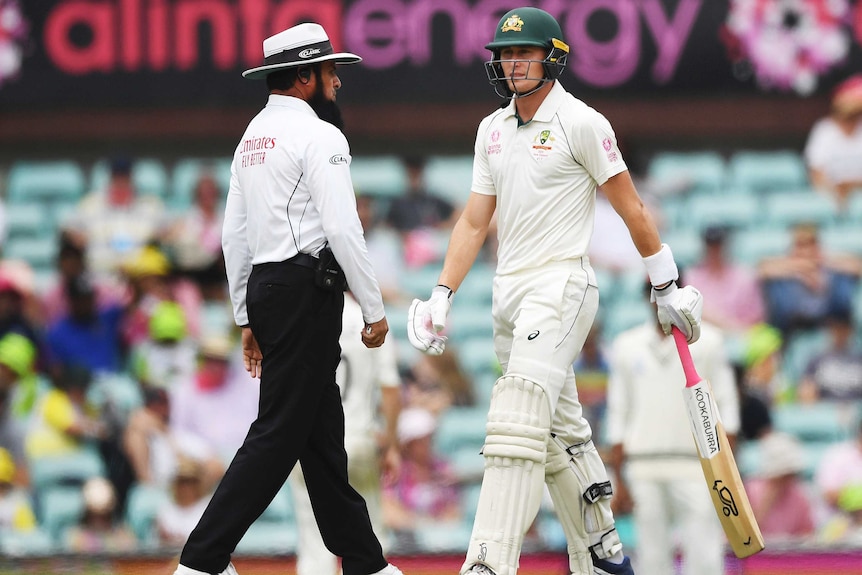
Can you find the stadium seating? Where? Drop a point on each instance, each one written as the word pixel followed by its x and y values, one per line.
pixel 687 172
pixel 793 207
pixel 843 238
pixel 60 507
pixel 384 176
pixel 449 177
pixel 269 538
pixel 47 180
pixel 734 211
pixel 149 177
pixel 35 543
pixel 142 506
pixel 752 245
pixel 38 251
pixel 822 422
pixel 186 173
pixel 70 469
pixel 28 220
pixel 767 171
pixel 460 428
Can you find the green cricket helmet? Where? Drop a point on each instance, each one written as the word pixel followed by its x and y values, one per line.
pixel 527 26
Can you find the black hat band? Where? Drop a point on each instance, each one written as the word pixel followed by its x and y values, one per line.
pixel 297 55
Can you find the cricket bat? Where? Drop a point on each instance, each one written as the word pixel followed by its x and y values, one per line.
pixel 719 467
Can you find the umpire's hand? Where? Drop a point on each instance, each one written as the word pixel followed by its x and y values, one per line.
pixel 251 356
pixel 374 334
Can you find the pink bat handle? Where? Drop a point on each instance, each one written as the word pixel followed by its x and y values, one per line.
pixel 691 376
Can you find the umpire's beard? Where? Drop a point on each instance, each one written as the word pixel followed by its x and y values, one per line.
pixel 326 110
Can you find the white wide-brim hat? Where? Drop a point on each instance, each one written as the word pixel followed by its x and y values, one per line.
pixel 300 45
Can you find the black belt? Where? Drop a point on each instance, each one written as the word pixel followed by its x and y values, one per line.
pixel 304 260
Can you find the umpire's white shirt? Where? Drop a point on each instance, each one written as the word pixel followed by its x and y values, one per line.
pixel 291 192
pixel 646 411
pixel 544 175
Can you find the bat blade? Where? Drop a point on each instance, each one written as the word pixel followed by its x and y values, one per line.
pixel 716 459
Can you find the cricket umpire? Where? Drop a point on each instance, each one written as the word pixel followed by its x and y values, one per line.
pixel 292 242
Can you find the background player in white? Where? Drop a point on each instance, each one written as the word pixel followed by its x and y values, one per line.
pixel 370 384
pixel 648 428
pixel 538 162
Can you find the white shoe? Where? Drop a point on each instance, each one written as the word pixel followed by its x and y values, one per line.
pixel 183 570
pixel 230 570
pixel 390 569
pixel 479 569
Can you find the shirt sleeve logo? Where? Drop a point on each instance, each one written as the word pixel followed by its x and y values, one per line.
pixel 339 159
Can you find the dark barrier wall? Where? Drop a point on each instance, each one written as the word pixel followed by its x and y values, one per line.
pixel 100 54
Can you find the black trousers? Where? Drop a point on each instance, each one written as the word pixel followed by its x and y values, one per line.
pixel 300 418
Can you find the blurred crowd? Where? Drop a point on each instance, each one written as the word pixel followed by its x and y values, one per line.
pixel 121 379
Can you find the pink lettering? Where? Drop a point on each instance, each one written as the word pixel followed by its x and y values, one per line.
pixel 98 56
pixel 378 32
pixel 608 63
pixel 670 36
pixel 189 16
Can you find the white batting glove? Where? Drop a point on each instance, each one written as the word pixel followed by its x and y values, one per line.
pixel 680 307
pixel 426 319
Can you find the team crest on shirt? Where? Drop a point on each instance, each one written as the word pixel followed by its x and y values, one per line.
pixel 495 147
pixel 608 146
pixel 543 143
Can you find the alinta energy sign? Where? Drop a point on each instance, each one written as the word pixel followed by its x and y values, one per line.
pixel 424 46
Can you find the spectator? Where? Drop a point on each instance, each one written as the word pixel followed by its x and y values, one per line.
pixel 805 286
pixel 219 403
pixel 149 275
pixel 71 265
pixel 731 293
pixel 17 302
pixel 761 359
pixel 425 492
pixel 177 517
pixel 195 237
pixel 16 513
pixel 168 356
pixel 778 494
pixel 87 335
pixel 63 420
pixel 417 208
pixel 18 376
pixel 839 468
pixel 833 152
pixel 155 450
pixel 99 531
pixel 845 527
pixel 115 222
pixel 836 373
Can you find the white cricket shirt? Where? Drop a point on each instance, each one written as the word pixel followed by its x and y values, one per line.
pixel 290 192
pixel 544 174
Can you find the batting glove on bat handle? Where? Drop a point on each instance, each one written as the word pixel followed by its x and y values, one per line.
pixel 680 307
pixel 426 319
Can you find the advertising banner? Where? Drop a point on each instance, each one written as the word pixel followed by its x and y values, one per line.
pixel 164 53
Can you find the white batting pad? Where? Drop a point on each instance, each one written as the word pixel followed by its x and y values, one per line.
pixel 580 490
pixel 517 431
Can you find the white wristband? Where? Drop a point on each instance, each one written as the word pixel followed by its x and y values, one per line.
pixel 660 266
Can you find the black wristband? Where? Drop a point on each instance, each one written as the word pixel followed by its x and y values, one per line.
pixel 670 283
pixel 451 291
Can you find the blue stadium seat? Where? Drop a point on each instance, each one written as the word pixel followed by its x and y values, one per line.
pixel 460 428
pixel 280 510
pixel 767 171
pixel 844 238
pixel 752 245
pixel 822 422
pixel 747 456
pixel 35 543
pixel 185 175
pixel 70 469
pixel 45 181
pixel 59 509
pixel 396 317
pixel 29 219
pixel 478 286
pixel 469 321
pixel 735 211
pixel 477 355
pixel 799 350
pixel 450 177
pixel 790 208
pixel 418 282
pixel 625 315
pixel 142 506
pixel 854 207
pixel 686 243
pixel 149 177
pixel 383 176
pixel 687 172
pixel 40 252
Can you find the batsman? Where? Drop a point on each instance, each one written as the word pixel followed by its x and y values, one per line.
pixel 538 163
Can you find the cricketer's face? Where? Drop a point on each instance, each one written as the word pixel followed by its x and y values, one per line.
pixel 322 100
